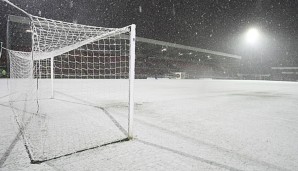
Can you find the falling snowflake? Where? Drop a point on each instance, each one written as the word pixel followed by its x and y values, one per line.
pixel 71 4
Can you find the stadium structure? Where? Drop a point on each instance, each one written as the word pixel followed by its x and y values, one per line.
pixel 154 58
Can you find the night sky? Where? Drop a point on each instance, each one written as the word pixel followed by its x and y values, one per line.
pixel 211 24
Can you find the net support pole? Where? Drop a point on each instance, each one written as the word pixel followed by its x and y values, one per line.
pixel 131 78
pixel 0 49
pixel 52 77
pixel 7 47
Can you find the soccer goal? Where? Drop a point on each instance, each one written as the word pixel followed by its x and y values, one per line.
pixel 71 85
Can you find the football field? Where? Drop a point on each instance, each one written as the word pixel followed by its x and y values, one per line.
pixel 178 125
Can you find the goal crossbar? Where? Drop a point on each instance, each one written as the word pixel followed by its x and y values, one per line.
pixel 45 55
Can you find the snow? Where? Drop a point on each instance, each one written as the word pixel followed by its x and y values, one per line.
pixel 179 125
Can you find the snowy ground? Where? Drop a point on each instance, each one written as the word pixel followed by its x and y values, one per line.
pixel 182 125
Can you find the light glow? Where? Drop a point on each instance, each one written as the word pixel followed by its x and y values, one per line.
pixel 252 36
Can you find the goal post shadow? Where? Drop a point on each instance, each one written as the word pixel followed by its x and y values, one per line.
pixel 77 101
pixel 72 100
pixel 87 103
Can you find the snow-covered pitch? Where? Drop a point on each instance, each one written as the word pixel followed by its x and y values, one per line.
pixel 179 125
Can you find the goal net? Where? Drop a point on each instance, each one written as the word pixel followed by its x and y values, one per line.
pixel 71 85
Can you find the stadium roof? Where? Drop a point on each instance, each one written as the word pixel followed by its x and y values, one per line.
pixel 281 68
pixel 178 46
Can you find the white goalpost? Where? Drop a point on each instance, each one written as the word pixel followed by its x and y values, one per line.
pixel 131 80
pixel 72 85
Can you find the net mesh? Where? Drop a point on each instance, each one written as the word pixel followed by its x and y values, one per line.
pixel 90 71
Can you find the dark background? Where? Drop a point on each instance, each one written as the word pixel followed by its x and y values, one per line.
pixel 211 24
